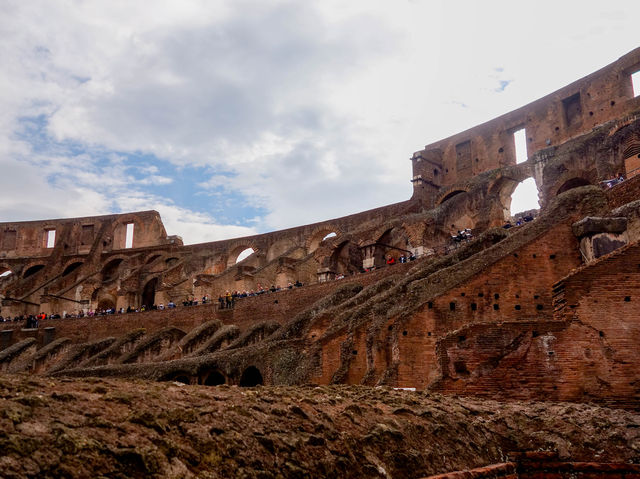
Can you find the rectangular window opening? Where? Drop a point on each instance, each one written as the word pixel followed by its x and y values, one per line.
pixel 520 140
pixel 572 109
pixel 635 82
pixel 51 238
pixel 128 241
pixel 86 237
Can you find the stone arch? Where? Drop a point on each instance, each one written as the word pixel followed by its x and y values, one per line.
pixel 213 377
pixel 522 197
pixel 251 377
pixel 449 193
pixel 5 271
pixel 105 303
pixel 392 242
pixel 501 194
pixel 572 183
pixel 278 248
pixel 148 294
pixel 151 258
pixel 33 269
pixel 318 236
pixel 569 179
pixel 71 266
pixel 238 248
pixel 110 269
pixel 180 376
pixel 346 258
pixel 172 261
pixel 100 299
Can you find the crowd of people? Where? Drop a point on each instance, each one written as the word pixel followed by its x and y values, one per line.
pixel 225 301
pixel 228 299
pixel 518 222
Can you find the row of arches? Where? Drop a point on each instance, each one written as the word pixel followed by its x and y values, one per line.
pixel 516 197
pixel 250 377
pixel 245 250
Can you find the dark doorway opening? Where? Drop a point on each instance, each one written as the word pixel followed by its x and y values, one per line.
pixel 149 293
pixel 251 377
pixel 216 378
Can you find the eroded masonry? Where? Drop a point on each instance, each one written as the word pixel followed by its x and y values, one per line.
pixel 545 310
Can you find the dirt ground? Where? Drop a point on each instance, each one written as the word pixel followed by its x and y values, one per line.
pixel 77 428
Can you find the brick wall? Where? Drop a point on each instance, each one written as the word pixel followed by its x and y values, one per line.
pixel 587 352
pixel 576 109
pixel 516 288
pixel 625 192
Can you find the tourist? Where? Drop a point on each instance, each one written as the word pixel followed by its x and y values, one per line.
pixel 227 298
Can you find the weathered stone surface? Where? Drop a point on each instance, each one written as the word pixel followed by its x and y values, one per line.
pixel 590 226
pixel 115 428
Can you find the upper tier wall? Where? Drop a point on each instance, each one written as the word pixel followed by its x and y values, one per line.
pixel 77 235
pixel 567 113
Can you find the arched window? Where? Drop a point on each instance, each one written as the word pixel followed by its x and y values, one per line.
pixel 244 254
pixel 525 197
pixel 33 270
pixel 71 268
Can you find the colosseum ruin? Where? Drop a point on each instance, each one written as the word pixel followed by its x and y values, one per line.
pixel 419 338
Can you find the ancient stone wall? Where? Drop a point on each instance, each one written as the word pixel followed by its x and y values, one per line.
pixel 574 110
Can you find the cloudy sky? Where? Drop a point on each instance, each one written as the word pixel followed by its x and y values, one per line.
pixel 242 116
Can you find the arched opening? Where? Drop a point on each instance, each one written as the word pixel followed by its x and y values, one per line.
pixel 451 195
pixel 33 270
pixel 524 197
pixel 320 236
pixel 572 183
pixel 149 292
pixel 152 258
pixel 244 254
pixel 251 377
pixel 71 268
pixel 393 243
pixel 106 303
pixel 215 378
pixel 110 270
pixel 346 258
pixel 171 262
pixel 178 376
pixel 5 272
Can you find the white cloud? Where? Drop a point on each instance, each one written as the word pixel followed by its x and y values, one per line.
pixel 308 109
